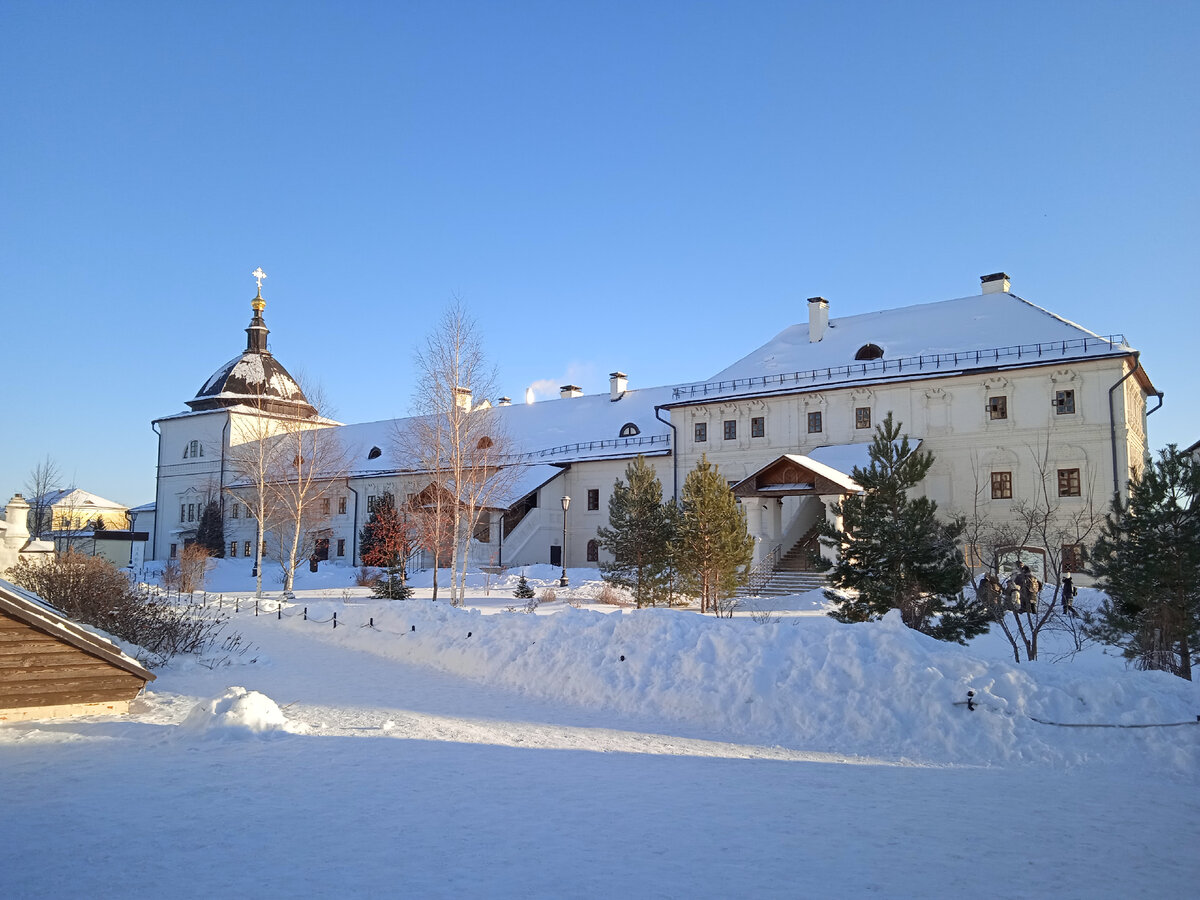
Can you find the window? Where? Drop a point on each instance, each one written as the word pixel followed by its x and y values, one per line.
pixel 814 423
pixel 246 549
pixel 182 513
pixel 174 550
pixel 593 551
pixel 1002 485
pixel 1068 483
pixel 235 509
pixel 341 506
pixel 997 408
pixel 629 430
pixel 193 450
pixel 869 351
pixel 593 498
pixel 1064 403
pixel 862 417
pixel 701 432
pixel 729 429
pixel 758 426
pixel 374 453
pixel 1072 557
pixel 191 512
pixel 324 506
pixel 233 545
pixel 341 547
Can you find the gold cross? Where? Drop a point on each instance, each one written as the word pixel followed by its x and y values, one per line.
pixel 258 275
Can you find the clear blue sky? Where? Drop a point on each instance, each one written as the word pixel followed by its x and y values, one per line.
pixel 654 187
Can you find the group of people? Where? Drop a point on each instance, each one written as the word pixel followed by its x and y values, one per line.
pixel 1020 592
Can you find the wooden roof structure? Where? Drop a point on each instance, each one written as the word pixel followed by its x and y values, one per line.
pixel 795 475
pixel 51 666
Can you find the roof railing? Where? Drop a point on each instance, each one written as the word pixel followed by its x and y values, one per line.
pixel 923 362
pixel 590 446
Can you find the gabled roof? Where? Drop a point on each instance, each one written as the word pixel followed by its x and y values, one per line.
pixel 794 473
pixel 78 499
pixel 996 330
pixel 28 607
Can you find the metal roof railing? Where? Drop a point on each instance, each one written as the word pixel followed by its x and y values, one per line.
pixel 590 447
pixel 905 364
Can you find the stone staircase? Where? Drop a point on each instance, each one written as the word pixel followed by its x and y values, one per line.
pixel 792 574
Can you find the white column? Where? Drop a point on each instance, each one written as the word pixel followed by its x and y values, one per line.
pixel 834 520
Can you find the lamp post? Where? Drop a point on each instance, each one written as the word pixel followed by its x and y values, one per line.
pixel 566 503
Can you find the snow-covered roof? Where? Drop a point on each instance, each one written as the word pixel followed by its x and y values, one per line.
pixel 549 431
pixel 74 498
pixel 32 609
pixel 929 339
pixel 145 507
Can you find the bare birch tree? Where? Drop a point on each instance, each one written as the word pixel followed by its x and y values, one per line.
pixel 253 462
pixel 42 479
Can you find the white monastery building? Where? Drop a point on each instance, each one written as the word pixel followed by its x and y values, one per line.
pixel 1014 402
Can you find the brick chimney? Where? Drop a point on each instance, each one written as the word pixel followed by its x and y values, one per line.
pixel 818 318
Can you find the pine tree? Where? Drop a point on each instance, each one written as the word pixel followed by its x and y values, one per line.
pixel 385 541
pixel 713 549
pixel 210 532
pixel 1147 559
pixel 894 553
pixel 523 591
pixel 639 536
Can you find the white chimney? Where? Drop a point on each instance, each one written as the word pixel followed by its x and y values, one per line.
pixel 504 401
pixel 570 390
pixel 995 284
pixel 16 519
pixel 818 318
pixel 462 398
pixel 617 385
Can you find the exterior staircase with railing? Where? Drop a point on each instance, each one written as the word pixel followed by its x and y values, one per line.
pixel 780 574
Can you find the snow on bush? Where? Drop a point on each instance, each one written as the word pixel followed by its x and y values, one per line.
pixel 239 713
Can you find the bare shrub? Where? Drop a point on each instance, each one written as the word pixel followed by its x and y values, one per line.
pixel 548 595
pixel 610 596
pixel 92 590
pixel 365 576
pixel 531 605
pixel 170 576
pixel 193 566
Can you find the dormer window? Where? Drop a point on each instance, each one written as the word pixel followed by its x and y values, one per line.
pixel 484 443
pixel 374 453
pixel 629 430
pixel 869 351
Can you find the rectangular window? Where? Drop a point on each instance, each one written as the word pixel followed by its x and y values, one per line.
pixel 341 506
pixel 1064 403
pixel 758 426
pixel 174 550
pixel 235 509
pixel 341 547
pixel 1068 483
pixel 233 545
pixel 246 549
pixel 997 408
pixel 324 506
pixel 593 551
pixel 182 513
pixel 701 432
pixel 862 417
pixel 1002 485
pixel 371 501
pixel 593 498
pixel 974 558
pixel 730 429
pixel 191 512
pixel 814 423
pixel 1072 557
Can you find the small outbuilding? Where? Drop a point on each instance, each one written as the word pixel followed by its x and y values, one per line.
pixel 52 667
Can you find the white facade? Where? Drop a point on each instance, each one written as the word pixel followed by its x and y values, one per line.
pixel 1011 399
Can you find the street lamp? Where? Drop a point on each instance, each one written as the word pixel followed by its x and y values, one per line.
pixel 566 503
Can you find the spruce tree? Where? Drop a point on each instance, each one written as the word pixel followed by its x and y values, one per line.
pixel 638 536
pixel 523 591
pixel 713 549
pixel 894 552
pixel 384 541
pixel 210 532
pixel 1147 560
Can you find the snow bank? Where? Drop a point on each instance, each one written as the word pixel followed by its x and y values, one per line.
pixel 878 689
pixel 239 713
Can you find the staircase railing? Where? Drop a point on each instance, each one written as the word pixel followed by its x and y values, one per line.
pixel 761 573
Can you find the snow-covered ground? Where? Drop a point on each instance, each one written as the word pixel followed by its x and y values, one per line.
pixel 423 750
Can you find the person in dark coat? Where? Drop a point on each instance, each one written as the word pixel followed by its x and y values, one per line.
pixel 1069 593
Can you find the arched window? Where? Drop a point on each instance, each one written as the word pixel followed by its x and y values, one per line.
pixel 484 443
pixel 869 351
pixel 193 449
pixel 375 453
pixel 593 551
pixel 629 430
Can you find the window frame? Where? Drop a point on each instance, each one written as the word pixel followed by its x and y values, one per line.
pixel 1072 558
pixel 1002 485
pixel 729 430
pixel 700 433
pixel 862 418
pixel 1064 402
pixel 593 499
pixel 1070 483
pixel 819 419
pixel 758 426
pixel 998 408
pixel 593 550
